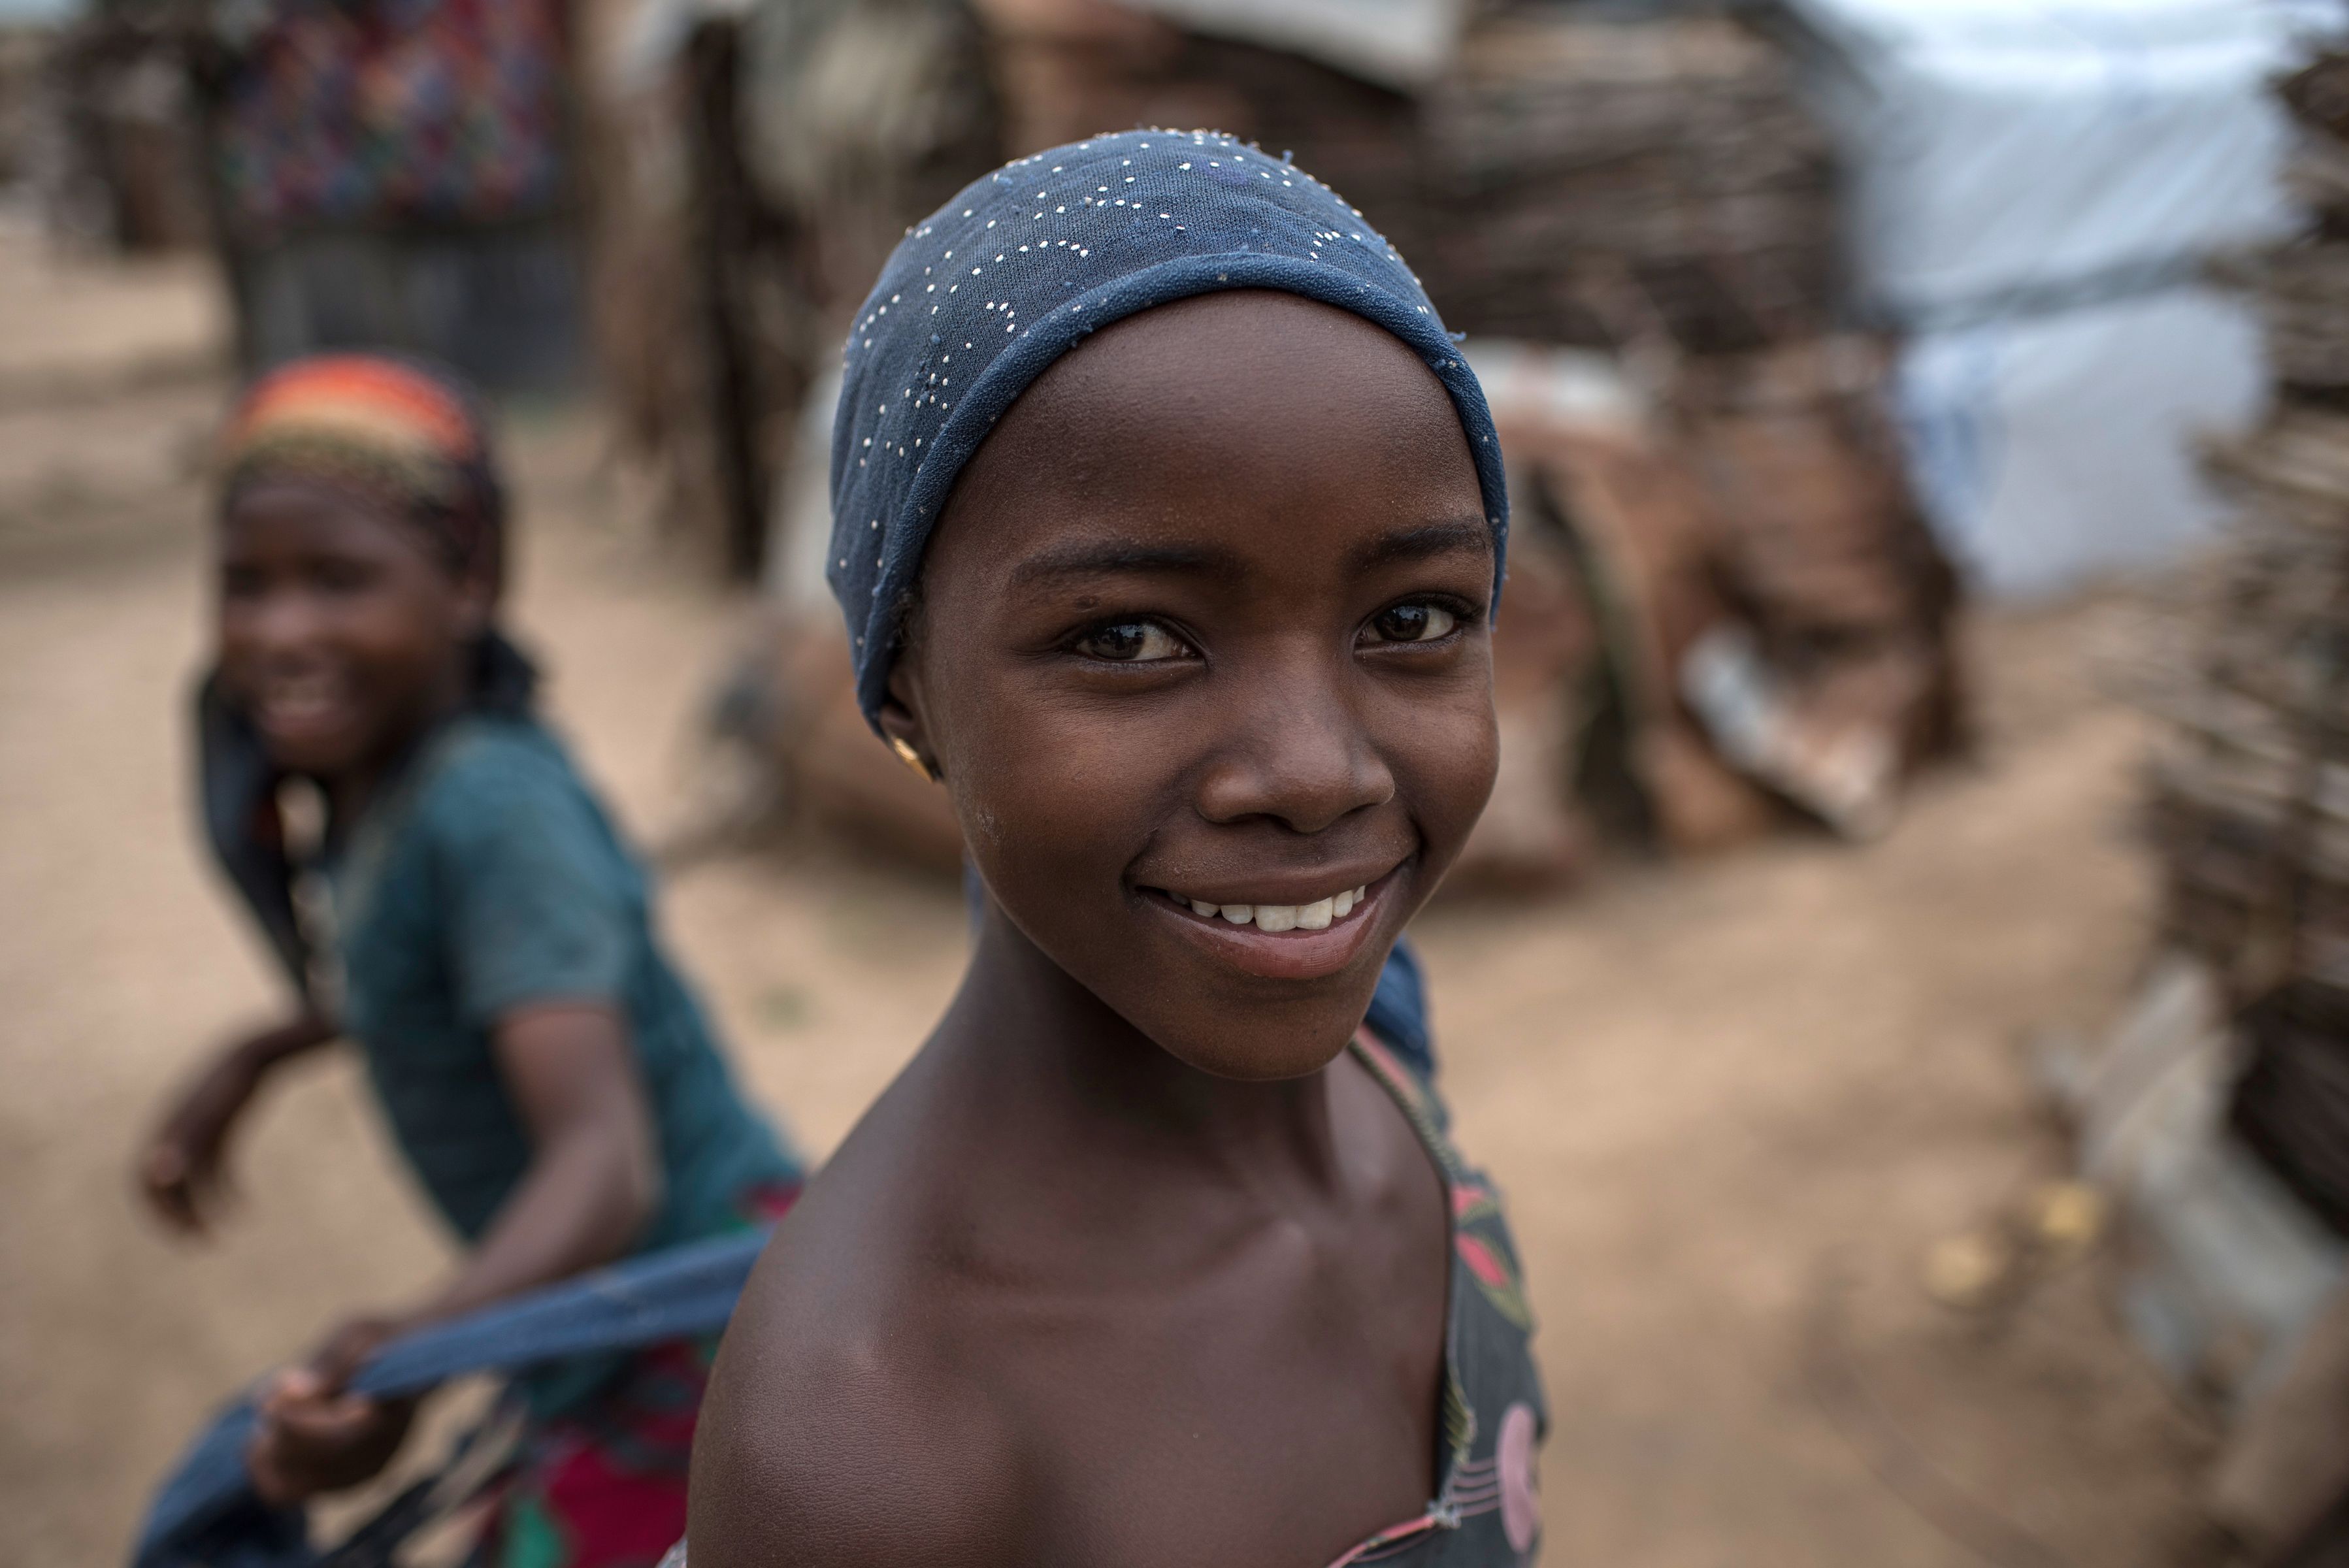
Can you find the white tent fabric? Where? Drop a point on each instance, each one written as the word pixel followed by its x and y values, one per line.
pixel 1400 44
pixel 2057 448
pixel 2033 186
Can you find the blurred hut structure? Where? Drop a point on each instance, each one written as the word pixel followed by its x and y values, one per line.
pixel 2218 1115
pixel 398 174
pixel 1723 609
pixel 759 163
pixel 108 134
pixel 23 54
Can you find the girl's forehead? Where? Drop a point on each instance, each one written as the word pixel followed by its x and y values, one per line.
pixel 1259 381
pixel 1231 442
pixel 306 498
pixel 309 513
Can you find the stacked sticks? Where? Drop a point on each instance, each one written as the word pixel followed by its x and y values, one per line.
pixel 2250 788
pixel 1611 181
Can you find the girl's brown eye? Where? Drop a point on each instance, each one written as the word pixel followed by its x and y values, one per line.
pixel 1412 624
pixel 1132 643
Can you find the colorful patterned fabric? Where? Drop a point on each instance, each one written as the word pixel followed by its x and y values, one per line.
pixel 411 437
pixel 1486 1512
pixel 603 1485
pixel 375 112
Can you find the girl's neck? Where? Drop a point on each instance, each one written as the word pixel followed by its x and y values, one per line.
pixel 1058 1054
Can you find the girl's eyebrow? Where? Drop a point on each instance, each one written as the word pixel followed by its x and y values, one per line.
pixel 1422 543
pixel 1113 557
pixel 1120 557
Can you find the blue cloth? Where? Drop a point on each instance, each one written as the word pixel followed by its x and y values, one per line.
pixel 484 879
pixel 980 299
pixel 1398 1012
pixel 205 1514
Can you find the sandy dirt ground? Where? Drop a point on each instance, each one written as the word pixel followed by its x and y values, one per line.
pixel 1733 1103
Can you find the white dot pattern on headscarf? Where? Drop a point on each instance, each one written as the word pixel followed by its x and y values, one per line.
pixel 980 297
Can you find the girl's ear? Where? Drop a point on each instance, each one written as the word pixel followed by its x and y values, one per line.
pixel 901 721
pixel 476 604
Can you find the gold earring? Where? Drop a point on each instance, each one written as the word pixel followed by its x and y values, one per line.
pixel 912 759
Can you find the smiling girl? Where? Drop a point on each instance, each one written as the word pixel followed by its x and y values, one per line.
pixel 1167 521
pixel 461 909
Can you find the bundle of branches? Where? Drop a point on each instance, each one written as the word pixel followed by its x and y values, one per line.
pixel 1601 180
pixel 2301 289
pixel 2302 292
pixel 2249 789
pixel 2250 785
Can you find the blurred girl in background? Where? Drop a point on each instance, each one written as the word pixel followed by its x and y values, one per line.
pixel 446 893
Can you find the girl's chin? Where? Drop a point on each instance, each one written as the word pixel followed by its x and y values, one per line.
pixel 1243 1061
pixel 321 754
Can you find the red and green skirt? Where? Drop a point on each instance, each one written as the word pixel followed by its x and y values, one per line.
pixel 602 1483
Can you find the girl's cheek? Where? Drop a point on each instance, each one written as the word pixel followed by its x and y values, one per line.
pixel 1047 810
pixel 1449 764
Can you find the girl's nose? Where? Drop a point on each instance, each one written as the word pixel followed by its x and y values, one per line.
pixel 280 623
pixel 1294 748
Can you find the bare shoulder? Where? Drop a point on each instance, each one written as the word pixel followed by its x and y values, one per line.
pixel 834 1455
pixel 839 1431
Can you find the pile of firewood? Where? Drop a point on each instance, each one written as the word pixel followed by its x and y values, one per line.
pixel 2217 1117
pixel 1601 182
pixel 2249 789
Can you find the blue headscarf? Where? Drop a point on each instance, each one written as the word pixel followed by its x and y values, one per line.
pixel 980 298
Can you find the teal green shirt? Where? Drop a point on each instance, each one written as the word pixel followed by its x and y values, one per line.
pixel 486 879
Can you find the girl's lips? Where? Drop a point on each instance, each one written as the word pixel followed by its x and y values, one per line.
pixel 302 726
pixel 300 709
pixel 300 718
pixel 1294 955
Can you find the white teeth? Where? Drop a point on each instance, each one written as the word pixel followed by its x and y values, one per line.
pixel 1317 915
pixel 298 700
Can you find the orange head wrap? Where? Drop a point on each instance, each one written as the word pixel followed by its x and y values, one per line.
pixel 407 436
